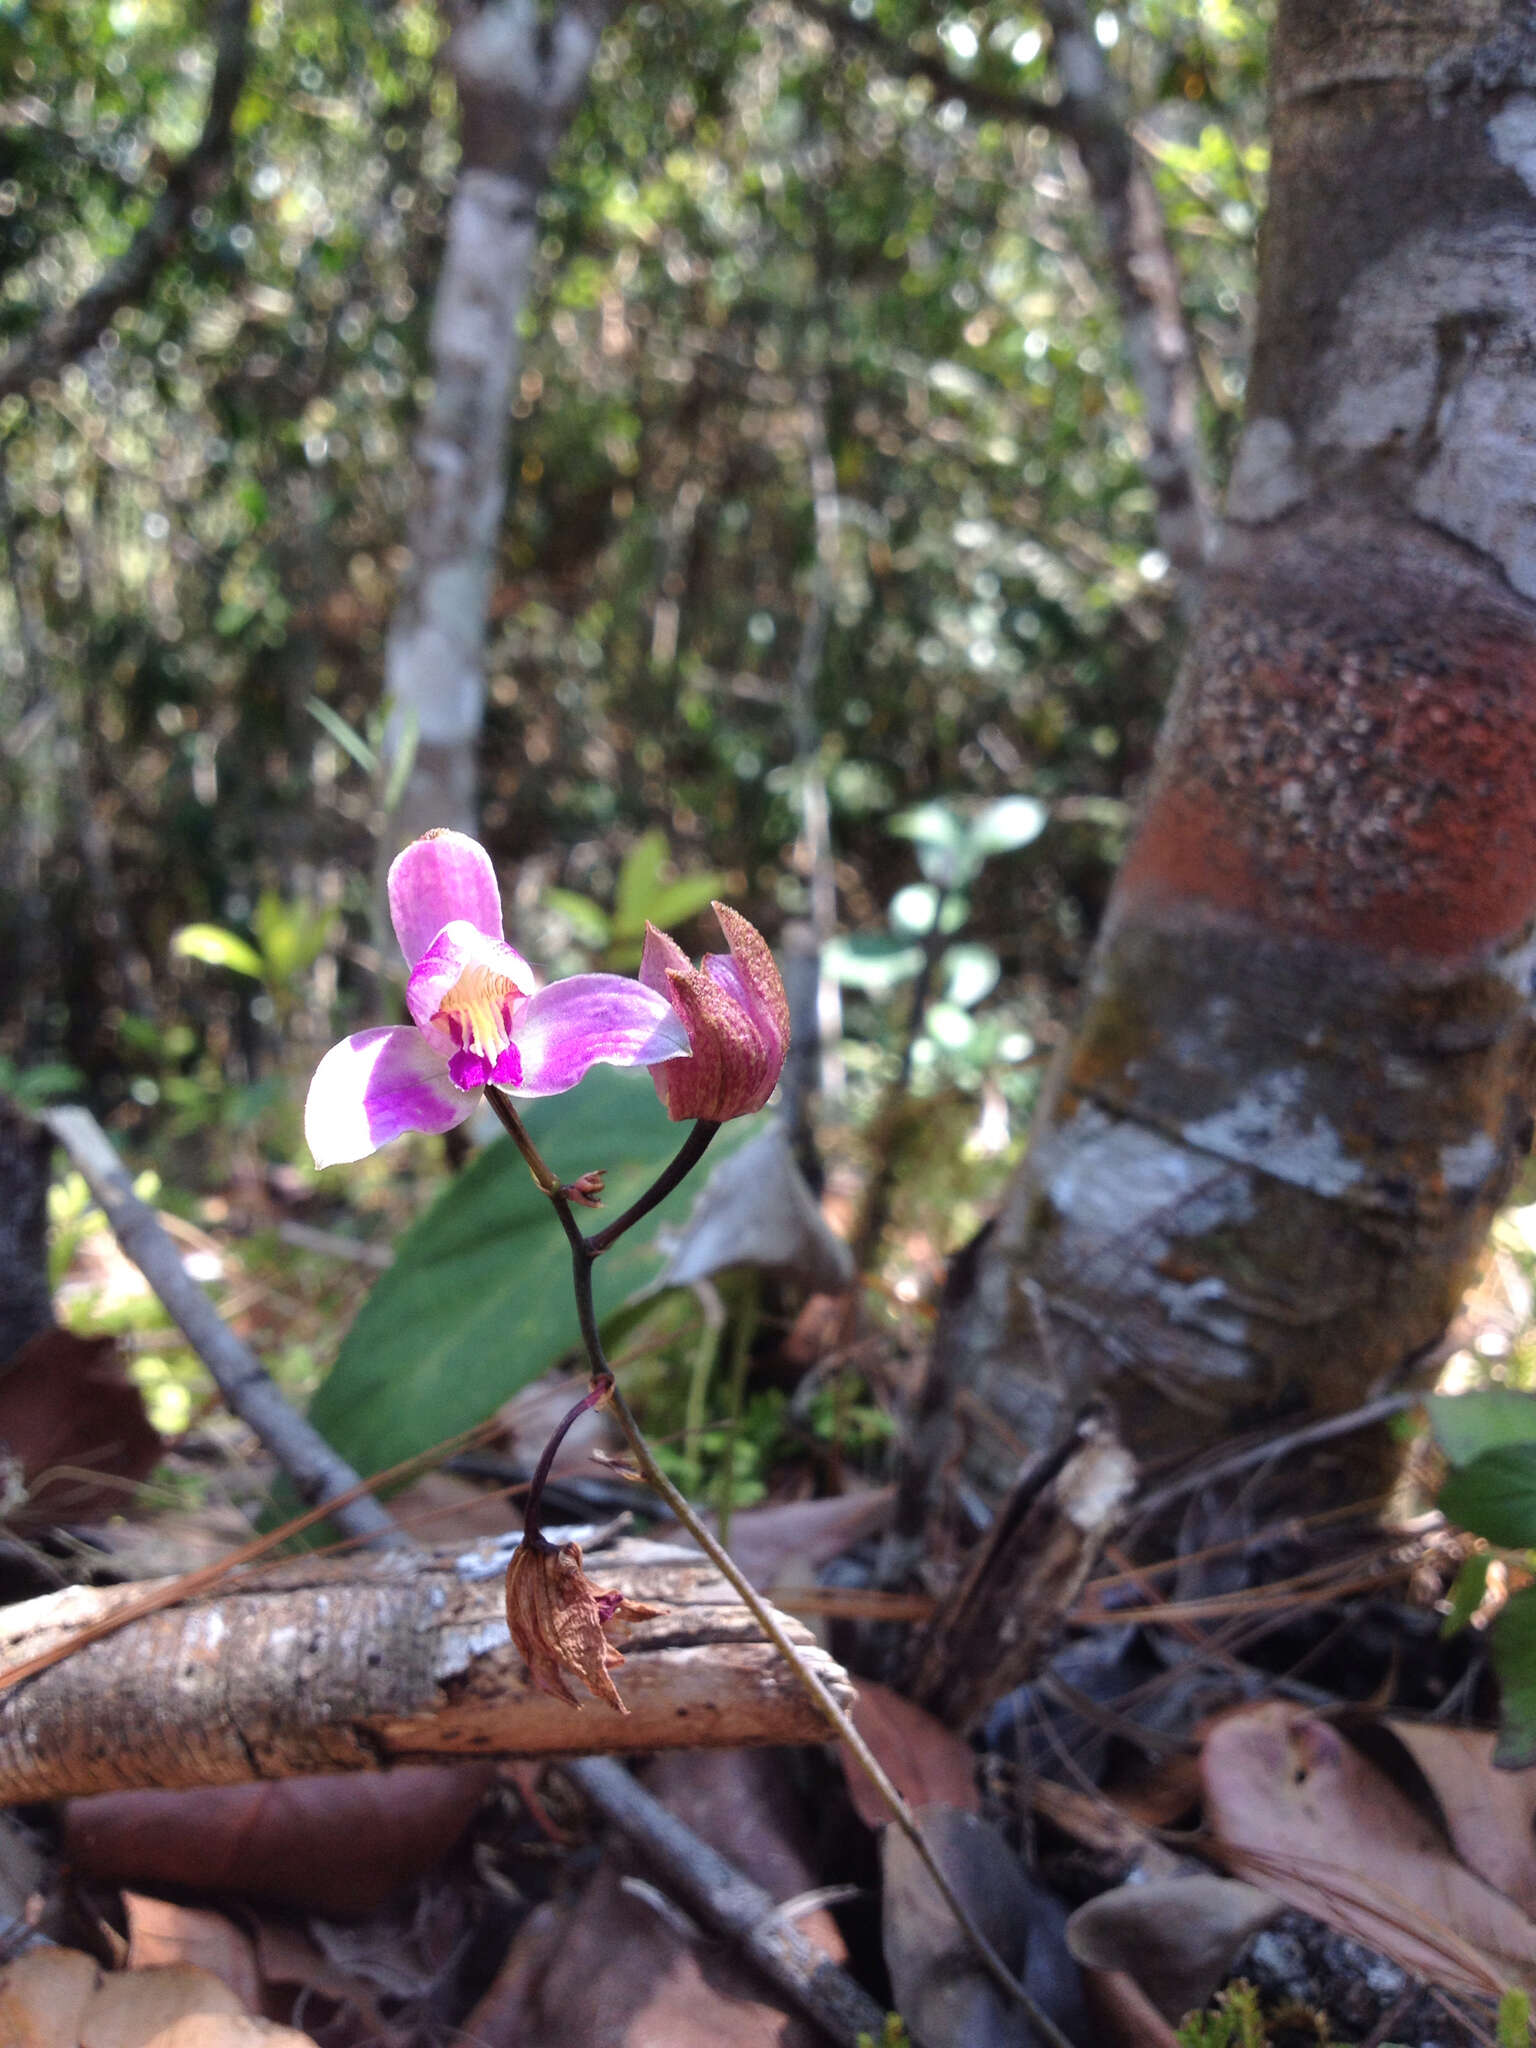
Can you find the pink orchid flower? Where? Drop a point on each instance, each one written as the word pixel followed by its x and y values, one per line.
pixel 736 1016
pixel 479 1016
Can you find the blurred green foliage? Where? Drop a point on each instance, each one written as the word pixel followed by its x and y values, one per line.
pixel 202 517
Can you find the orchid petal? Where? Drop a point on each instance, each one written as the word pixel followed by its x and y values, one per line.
pixel 374 1086
pixel 660 955
pixel 733 1070
pixel 443 877
pixel 571 1025
pixel 454 951
pixel 756 981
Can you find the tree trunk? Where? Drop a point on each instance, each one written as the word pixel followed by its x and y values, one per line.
pixel 520 76
pixel 1267 1161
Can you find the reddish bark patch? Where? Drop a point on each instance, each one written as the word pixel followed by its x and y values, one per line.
pixel 1379 796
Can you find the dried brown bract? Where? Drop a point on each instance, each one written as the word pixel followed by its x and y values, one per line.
pixel 558 1619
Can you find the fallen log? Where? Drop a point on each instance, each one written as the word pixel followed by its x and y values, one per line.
pixel 325 1664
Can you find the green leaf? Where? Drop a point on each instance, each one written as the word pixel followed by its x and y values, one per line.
pixel 588 920
pixel 639 883
pixel 914 909
pixel 876 962
pixel 970 974
pixel 1464 1425
pixel 349 742
pixel 478 1301
pixel 675 902
pixel 216 947
pixel 943 841
pixel 292 934
pixel 1008 824
pixel 1466 1594
pixel 1514 2020
pixel 950 1026
pixel 1495 1496
pixel 1514 1659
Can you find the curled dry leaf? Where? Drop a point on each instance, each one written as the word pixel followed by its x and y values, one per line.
pixel 1302 1812
pixel 161 1934
pixel 339 1844
pixel 558 1618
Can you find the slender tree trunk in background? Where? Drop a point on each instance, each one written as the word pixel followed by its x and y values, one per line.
pixel 520 74
pixel 1158 346
pixel 1298 1089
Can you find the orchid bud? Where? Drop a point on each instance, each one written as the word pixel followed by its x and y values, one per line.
pixel 557 1619
pixel 735 1013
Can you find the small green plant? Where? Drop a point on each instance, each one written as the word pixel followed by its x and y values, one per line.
pixel 950 977
pixel 1489 1441
pixel 1514 2022
pixel 1235 2021
pixel 892 2035
pixel 641 896
pixel 290 934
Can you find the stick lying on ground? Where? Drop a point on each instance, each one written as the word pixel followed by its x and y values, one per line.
pixel 382 1657
pixel 318 1474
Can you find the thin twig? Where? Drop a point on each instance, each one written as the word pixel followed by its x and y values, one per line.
pixel 318 1473
pixel 731 1903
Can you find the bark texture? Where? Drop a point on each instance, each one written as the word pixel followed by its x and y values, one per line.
pixel 1300 1085
pixel 520 73
pixel 378 1659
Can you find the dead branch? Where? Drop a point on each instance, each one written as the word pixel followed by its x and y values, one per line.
pixel 992 1633
pixel 317 1472
pixel 379 1658
pixel 189 183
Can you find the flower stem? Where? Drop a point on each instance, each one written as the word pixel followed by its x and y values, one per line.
pixel 692 1151
pixel 533 1529
pixel 584 1254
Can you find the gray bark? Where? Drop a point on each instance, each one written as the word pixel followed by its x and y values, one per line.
pixel 1301 1081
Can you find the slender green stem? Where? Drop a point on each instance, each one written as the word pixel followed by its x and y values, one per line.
pixel 584 1253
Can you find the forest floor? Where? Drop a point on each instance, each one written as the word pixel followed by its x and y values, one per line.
pixel 1249 1779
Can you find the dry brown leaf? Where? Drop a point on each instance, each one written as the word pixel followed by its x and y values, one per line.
pixel 160 1933
pixel 340 1844
pixel 287 1957
pixel 1176 1936
pixel 440 1507
pixel 616 1971
pixel 927 1762
pixel 132 2006
pixel 785 1543
pixel 44 1996
pixel 1491 1814
pixel 1303 1813
pixel 75 1421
